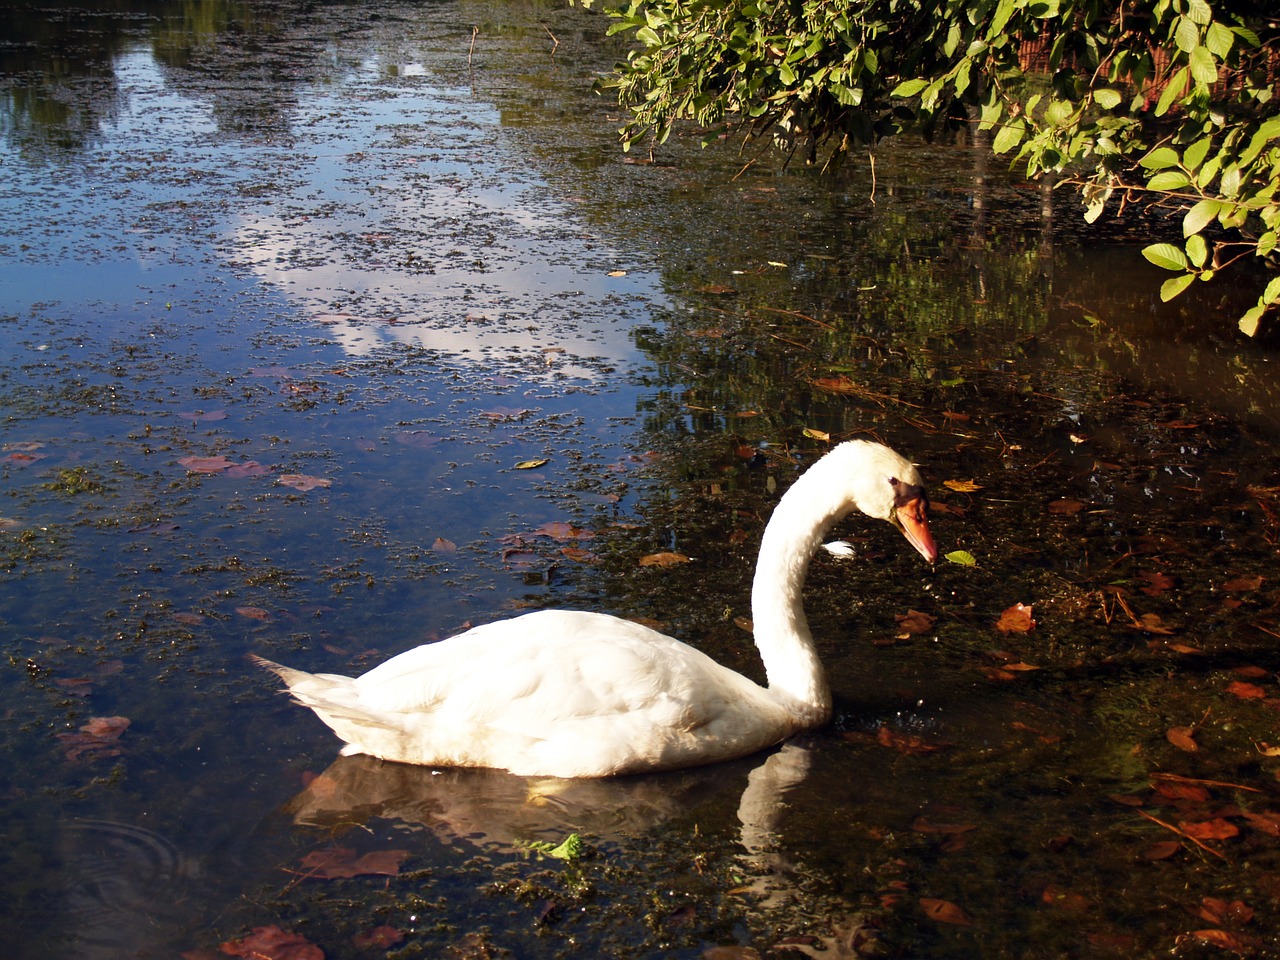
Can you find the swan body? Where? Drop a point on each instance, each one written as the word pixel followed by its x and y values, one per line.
pixel 574 694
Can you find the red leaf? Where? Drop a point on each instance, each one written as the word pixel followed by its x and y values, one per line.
pixel 1264 821
pixel 1065 507
pixel 1246 691
pixel 1229 941
pixel 205 464
pixel 1157 583
pixel 664 559
pixel 1162 850
pixel 97 738
pixel 1183 738
pixel 1216 829
pixel 904 743
pixel 1243 584
pixel 272 943
pixel 254 613
pixel 1016 619
pixel 336 862
pixel 944 911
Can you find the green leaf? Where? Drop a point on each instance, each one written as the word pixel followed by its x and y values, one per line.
pixel 1107 98
pixel 1249 322
pixel 1272 293
pixel 1010 136
pixel 1266 243
pixel 1174 91
pixel 962 557
pixel 1166 256
pixel 1167 180
pixel 1199 11
pixel 1203 67
pixel 1197 249
pixel 1187 36
pixel 1219 39
pixel 909 88
pixel 1200 216
pixel 1175 285
pixel 1194 155
pixel 1160 158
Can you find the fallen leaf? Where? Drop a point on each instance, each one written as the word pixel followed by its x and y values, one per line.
pixel 1223 911
pixel 1228 941
pixel 922 824
pixel 813 434
pixel 203 416
pixel 1243 584
pixel 1183 738
pixel 1157 582
pixel 664 559
pixel 303 482
pixel 1264 821
pixel 205 464
pixel 272 943
pixel 441 545
pixel 254 613
pixel 341 862
pixel 1246 691
pixel 1064 507
pixel 905 743
pixel 250 468
pixel 1054 896
pixel 1016 619
pixel 962 486
pixel 962 557
pixel 379 938
pixel 617 273
pixel 1216 829
pixel 97 738
pixel 1161 850
pixel 1151 623
pixel 944 911
pixel 533 464
pixel 417 438
pixel 559 530
pixel 913 621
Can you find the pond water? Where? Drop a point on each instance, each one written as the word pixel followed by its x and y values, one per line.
pixel 292 297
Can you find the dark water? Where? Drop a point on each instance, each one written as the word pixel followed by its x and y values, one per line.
pixel 374 257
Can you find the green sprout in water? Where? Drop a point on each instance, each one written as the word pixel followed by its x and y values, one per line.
pixel 569 850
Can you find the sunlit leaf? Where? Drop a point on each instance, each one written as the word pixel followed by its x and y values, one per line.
pixel 1165 256
pixel 906 743
pixel 1016 619
pixel 1215 829
pixel 962 486
pixel 532 464
pixel 341 862
pixel 664 559
pixel 1228 941
pixel 559 530
pixel 962 557
pixel 813 434
pixel 441 545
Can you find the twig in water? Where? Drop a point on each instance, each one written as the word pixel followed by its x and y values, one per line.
pixel 475 31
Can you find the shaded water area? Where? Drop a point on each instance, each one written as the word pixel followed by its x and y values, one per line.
pixel 296 298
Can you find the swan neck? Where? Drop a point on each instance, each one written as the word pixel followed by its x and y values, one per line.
pixel 782 634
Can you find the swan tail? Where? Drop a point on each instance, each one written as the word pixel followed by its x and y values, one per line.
pixel 334 700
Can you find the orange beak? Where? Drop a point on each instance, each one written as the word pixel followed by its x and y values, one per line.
pixel 912 518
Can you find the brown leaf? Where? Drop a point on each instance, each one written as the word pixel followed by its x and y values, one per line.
pixel 1183 738
pixel 336 862
pixel 1243 584
pixel 95 739
pixel 1219 911
pixel 205 464
pixel 303 482
pixel 1162 850
pixel 1065 900
pixel 962 486
pixel 1151 623
pixel 1228 941
pixel 913 621
pixel 922 824
pixel 441 545
pixel 1065 507
pixel 904 743
pixel 559 530
pixel 1264 821
pixel 664 559
pixel 272 943
pixel 1246 691
pixel 1016 619
pixel 379 938
pixel 1157 583
pixel 254 613
pixel 1216 829
pixel 250 468
pixel 944 911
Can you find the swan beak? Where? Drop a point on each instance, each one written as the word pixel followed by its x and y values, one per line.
pixel 912 518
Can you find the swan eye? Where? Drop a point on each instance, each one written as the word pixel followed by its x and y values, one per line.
pixel 904 493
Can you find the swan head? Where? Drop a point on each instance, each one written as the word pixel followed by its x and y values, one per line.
pixel 887 486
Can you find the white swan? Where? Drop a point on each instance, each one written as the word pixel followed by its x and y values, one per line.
pixel 570 694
